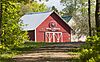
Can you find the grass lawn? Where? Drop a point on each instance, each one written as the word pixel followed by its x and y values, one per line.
pixel 26 47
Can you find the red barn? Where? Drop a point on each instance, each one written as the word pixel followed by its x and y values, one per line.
pixel 46 27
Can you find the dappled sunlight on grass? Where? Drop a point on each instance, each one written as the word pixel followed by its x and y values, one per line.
pixel 28 46
pixel 65 49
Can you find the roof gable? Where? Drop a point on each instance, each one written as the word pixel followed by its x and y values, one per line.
pixel 33 20
pixel 66 25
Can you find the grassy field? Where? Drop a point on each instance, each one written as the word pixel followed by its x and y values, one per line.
pixel 27 47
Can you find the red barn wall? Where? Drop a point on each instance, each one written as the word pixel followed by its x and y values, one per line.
pixel 41 29
pixel 31 35
pixel 64 28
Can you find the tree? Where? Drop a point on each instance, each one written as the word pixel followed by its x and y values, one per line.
pixel 12 34
pixel 78 9
pixel 89 20
pixel 2 11
pixel 0 18
pixel 32 7
pixel 54 9
pixel 70 8
pixel 97 15
pixel 91 51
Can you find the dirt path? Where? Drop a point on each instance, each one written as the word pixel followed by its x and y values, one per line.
pixel 45 56
pixel 52 53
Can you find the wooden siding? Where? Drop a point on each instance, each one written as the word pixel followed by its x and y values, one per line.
pixel 64 28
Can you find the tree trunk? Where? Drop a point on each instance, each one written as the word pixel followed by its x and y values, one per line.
pixel 0 18
pixel 97 15
pixel 89 21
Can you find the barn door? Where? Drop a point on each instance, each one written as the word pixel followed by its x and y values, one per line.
pixel 53 37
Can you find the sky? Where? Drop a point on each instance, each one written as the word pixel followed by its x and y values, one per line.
pixel 55 3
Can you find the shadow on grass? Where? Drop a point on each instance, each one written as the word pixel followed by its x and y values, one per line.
pixel 28 46
pixel 31 46
pixel 7 60
pixel 47 59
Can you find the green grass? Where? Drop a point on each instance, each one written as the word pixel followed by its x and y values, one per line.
pixel 26 47
pixel 6 57
pixel 73 52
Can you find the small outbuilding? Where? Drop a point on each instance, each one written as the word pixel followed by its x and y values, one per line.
pixel 46 27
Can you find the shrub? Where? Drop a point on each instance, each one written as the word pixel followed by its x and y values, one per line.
pixel 91 51
pixel 12 36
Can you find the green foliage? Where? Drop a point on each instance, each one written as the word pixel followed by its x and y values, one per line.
pixel 54 9
pixel 23 48
pixel 12 36
pixel 78 9
pixel 33 7
pixel 91 51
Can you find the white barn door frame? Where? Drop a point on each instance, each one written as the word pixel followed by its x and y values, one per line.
pixel 53 37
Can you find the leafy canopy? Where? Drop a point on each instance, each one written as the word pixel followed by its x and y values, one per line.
pixel 12 35
pixel 32 7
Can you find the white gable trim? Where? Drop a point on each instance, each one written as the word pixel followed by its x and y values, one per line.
pixel 62 19
pixel 35 36
pixel 45 19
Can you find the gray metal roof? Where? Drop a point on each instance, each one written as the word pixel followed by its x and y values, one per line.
pixel 33 20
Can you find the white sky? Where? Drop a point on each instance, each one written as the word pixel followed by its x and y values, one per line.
pixel 55 3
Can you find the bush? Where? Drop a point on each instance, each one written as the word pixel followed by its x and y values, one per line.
pixel 91 51
pixel 12 36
